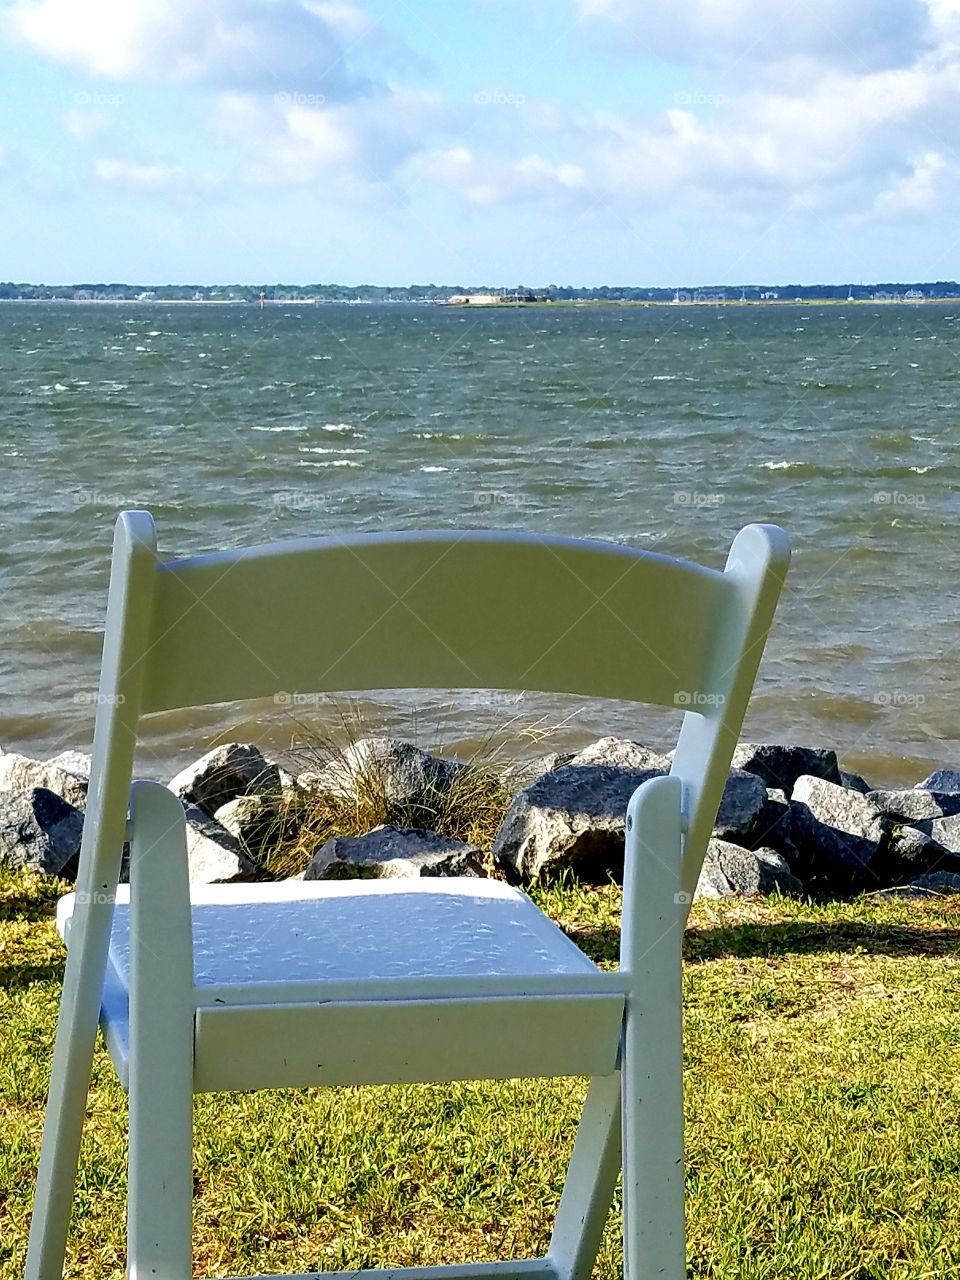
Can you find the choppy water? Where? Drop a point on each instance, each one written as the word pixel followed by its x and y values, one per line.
pixel 667 427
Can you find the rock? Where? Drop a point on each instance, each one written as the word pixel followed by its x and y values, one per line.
pixel 232 770
pixel 915 806
pixel 946 831
pixel 76 762
pixel 854 782
pixel 21 773
pixel 941 780
pixel 910 852
pixel 623 753
pixel 571 816
pixel 288 782
pixel 781 766
pixel 774 828
pixel 393 851
pixel 729 870
pixel 838 833
pixel 214 856
pixel 41 831
pixel 938 884
pixel 394 771
pixel 553 760
pixel 256 822
pixel 943 882
pixel 741 808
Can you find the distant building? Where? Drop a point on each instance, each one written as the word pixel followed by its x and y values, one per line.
pixel 475 299
pixel 914 295
pixel 769 295
pixel 148 295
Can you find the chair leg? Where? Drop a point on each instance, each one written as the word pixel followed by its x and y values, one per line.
pixel 160 1178
pixel 591 1179
pixel 160 1181
pixel 652 1045
pixel 62 1132
pixel 653 1172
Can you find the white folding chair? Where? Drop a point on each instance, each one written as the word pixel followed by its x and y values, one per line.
pixel 299 984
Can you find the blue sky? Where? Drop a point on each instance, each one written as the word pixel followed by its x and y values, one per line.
pixel 663 142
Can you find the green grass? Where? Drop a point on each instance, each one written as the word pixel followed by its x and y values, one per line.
pixel 823 1107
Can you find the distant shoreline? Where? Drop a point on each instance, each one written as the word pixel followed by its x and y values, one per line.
pixel 566 303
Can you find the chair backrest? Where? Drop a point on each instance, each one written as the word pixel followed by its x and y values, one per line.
pixel 430 610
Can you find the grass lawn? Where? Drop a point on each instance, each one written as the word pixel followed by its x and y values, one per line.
pixel 823 1109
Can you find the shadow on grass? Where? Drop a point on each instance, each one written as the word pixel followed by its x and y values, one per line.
pixel 602 944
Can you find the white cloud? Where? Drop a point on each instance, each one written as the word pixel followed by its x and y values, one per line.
pixel 361 144
pixel 249 44
pixel 916 191
pixel 83 124
pixel 142 177
pixel 488 179
pixel 739 34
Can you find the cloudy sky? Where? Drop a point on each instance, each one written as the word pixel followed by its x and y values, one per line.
pixel 663 142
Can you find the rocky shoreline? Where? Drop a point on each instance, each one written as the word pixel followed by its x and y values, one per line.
pixel 791 820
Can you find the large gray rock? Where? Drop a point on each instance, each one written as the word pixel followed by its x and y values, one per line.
pixel 41 831
pixel 915 806
pixel 912 851
pixel 392 851
pixel 741 809
pixel 256 822
pixel 214 856
pixel 942 882
pixel 774 829
pixel 938 884
pixel 22 773
pixel 838 834
pixel 552 760
pixel 574 816
pixel 234 769
pixel 945 831
pixel 622 753
pixel 729 870
pixel 941 780
pixel 76 762
pixel 781 765
pixel 855 782
pixel 393 771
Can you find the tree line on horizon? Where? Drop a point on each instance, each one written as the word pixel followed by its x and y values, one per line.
pixel 120 292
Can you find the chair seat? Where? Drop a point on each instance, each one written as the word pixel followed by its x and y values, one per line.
pixel 262 949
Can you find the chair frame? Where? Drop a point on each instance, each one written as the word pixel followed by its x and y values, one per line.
pixel 154 607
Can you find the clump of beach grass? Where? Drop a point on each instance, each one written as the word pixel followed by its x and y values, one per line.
pixel 468 805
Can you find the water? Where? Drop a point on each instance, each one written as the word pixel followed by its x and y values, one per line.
pixel 667 427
